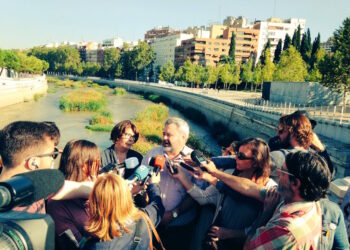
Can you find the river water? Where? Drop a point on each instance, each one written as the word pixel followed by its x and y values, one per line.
pixel 72 124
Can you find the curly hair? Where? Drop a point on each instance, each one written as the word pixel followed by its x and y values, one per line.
pixel 312 172
pixel 299 126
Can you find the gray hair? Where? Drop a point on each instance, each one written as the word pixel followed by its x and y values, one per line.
pixel 181 124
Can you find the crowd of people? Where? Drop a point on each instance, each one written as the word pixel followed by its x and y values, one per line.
pixel 258 195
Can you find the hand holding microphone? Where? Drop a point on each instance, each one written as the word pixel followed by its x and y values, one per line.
pixel 129 163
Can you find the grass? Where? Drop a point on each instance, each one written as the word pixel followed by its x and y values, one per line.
pixel 51 90
pixel 101 122
pixel 119 91
pixel 37 96
pixel 83 100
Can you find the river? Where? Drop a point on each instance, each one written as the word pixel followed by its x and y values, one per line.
pixel 72 124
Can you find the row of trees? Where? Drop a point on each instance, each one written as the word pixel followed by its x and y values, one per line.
pixel 21 62
pixel 127 64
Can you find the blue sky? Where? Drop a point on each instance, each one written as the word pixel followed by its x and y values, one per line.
pixel 25 24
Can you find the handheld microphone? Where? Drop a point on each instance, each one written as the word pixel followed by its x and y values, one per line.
pixel 140 173
pixel 129 163
pixel 186 166
pixel 171 167
pixel 27 188
pixel 198 157
pixel 157 163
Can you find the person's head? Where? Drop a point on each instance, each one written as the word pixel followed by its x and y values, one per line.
pixel 253 154
pixel 175 134
pixel 295 128
pixel 124 134
pixel 53 132
pixel 229 150
pixel 27 145
pixel 304 175
pixel 80 160
pixel 110 207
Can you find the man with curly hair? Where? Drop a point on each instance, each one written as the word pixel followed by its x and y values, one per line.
pixel 295 223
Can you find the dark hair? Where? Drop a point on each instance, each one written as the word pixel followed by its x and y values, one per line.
pixel 120 128
pixel 299 126
pixel 75 154
pixel 312 172
pixel 53 132
pixel 20 140
pixel 261 156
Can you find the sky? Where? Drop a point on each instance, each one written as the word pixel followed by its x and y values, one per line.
pixel 24 24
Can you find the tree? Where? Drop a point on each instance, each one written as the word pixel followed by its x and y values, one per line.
pixel 316 45
pixel 199 74
pixel 304 47
pixel 278 52
pixel 226 75
pixel 142 56
pixel 257 76
pixel 315 74
pixel 9 60
pixel 167 73
pixel 263 54
pixel 291 67
pixel 269 67
pixel 236 68
pixel 232 51
pixel 187 72
pixel 296 38
pixel 247 73
pixel 335 67
pixel 287 42
pixel 110 63
pixel 213 75
pixel 91 69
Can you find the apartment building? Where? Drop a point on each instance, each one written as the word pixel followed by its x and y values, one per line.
pixel 204 51
pixel 200 32
pixel 159 32
pixel 113 43
pixel 275 29
pixel 246 41
pixel 164 48
pixel 217 30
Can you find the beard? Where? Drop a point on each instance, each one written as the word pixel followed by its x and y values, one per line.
pixel 167 147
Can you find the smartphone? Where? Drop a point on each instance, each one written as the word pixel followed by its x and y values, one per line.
pixel 186 166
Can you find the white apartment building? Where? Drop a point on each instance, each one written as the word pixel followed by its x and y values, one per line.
pixel 276 29
pixel 164 48
pixel 113 43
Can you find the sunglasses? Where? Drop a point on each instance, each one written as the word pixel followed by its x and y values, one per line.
pixel 243 157
pixel 54 154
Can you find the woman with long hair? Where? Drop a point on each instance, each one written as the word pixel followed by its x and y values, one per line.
pixel 123 135
pixel 234 212
pixel 115 222
pixel 80 161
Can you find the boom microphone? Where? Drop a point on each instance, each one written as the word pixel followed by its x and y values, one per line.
pixel 129 163
pixel 27 188
pixel 140 173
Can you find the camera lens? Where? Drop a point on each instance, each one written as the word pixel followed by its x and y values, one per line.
pixel 11 239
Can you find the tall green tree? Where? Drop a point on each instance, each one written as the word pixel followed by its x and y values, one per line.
pixel 316 45
pixel 142 56
pixel 167 73
pixel 298 38
pixel 263 54
pixel 291 67
pixel 90 69
pixel 315 74
pixel 187 72
pixel 335 67
pixel 247 72
pixel 226 74
pixel 110 64
pixel 199 75
pixel 213 75
pixel 232 51
pixel 257 76
pixel 287 42
pixel 278 52
pixel 269 68
pixel 305 48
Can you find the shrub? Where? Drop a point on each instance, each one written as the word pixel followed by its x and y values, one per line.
pixel 119 91
pixel 37 96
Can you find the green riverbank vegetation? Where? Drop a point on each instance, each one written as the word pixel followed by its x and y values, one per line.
pixel 119 91
pixel 83 100
pixel 101 122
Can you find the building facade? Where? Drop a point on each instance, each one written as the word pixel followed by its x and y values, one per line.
pixel 164 48
pixel 274 29
pixel 246 41
pixel 203 51
pixel 159 32
pixel 113 43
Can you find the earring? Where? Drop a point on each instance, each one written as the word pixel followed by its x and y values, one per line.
pixel 35 164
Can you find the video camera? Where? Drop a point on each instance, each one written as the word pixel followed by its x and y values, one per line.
pixel 23 230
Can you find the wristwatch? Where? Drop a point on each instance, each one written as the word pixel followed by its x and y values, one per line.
pixel 174 214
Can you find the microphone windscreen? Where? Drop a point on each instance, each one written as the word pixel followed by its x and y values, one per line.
pixel 131 163
pixel 45 181
pixel 159 162
pixel 140 173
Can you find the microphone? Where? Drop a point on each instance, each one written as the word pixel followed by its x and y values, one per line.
pixel 140 173
pixel 198 157
pixel 27 188
pixel 129 163
pixel 157 163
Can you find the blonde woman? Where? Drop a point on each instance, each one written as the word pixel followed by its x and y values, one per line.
pixel 115 222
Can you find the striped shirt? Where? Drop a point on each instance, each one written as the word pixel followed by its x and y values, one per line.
pixel 297 225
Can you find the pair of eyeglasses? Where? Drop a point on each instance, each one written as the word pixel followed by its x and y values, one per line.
pixel 284 172
pixel 243 157
pixel 129 136
pixel 54 154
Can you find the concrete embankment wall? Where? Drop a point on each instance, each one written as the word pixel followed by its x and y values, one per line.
pixel 305 93
pixel 19 90
pixel 243 121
